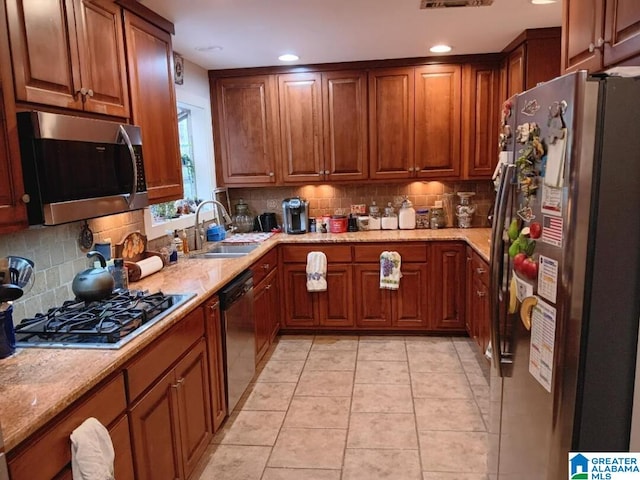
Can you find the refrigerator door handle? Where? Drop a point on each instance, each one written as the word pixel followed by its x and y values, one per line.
pixel 498 264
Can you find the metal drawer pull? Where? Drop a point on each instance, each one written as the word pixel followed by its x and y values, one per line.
pixel 480 271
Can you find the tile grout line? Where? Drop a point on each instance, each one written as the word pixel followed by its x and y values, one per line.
pixel 473 393
pixel 413 406
pixel 353 387
pixel 266 464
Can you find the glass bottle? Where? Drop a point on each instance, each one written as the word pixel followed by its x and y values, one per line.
pixel 374 216
pixel 407 215
pixel 242 220
pixel 389 219
pixel 465 210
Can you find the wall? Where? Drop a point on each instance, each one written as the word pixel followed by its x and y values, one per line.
pixel 327 199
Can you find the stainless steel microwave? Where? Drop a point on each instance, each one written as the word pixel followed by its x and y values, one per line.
pixel 76 168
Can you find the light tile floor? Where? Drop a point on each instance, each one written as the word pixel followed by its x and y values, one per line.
pixel 358 408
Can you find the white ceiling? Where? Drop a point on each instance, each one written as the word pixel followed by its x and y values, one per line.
pixel 254 32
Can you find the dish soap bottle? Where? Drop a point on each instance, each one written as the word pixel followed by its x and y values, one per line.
pixel 407 215
pixel 389 219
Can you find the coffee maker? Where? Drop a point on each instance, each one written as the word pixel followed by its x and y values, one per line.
pixel 295 215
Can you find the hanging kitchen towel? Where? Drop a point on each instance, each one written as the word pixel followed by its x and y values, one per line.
pixel 316 272
pixel 92 452
pixel 390 270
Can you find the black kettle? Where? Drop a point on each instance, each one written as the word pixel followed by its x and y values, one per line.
pixel 265 222
pixel 93 284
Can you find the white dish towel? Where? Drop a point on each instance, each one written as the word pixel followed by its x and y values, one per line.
pixel 92 454
pixel 316 272
pixel 390 270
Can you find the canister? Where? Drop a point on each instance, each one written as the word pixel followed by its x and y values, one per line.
pixel 338 224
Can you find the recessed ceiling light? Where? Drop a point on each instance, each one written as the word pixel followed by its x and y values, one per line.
pixel 543 2
pixel 288 57
pixel 209 48
pixel 440 49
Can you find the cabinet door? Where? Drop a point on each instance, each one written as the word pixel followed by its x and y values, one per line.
pixel 480 122
pixel 345 125
pixel 101 52
pixel 373 304
pixel 274 305
pixel 246 126
pixel 516 71
pixel 154 108
pixel 336 304
pixel 213 329
pixel 582 26
pixel 622 30
pixel 470 314
pixel 299 305
pixel 13 213
pixel 44 52
pixel 300 101
pixel 121 439
pixel 192 379
pixel 391 123
pixel 155 431
pixel 410 301
pixel 438 121
pixel 261 304
pixel 448 285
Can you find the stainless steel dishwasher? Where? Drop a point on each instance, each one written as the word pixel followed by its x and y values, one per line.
pixel 239 335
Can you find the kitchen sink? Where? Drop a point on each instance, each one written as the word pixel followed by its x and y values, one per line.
pixel 226 251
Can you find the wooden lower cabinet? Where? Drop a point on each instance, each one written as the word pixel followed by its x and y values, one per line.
pixel 332 308
pixel 266 308
pixel 405 308
pixel 213 328
pixel 171 424
pixel 448 286
pixel 478 312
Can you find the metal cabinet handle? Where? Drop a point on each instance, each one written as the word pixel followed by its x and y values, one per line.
pixel 265 266
pixel 597 45
pixel 267 287
pixel 326 172
pixel 480 271
pixel 271 174
pixel 480 294
pixel 26 198
pixel 214 306
pixel 178 383
pixel 90 93
pixel 82 91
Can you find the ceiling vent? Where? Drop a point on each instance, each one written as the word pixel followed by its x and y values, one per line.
pixel 428 4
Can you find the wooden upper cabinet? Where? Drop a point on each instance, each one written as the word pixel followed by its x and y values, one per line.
pixel 101 52
pixel 438 107
pixel 345 125
pixel 391 123
pixel 69 54
pixel 301 142
pixel 515 71
pixel 480 120
pixel 582 27
pixel 13 213
pixel 154 109
pixel 622 31
pixel 532 57
pixel 245 121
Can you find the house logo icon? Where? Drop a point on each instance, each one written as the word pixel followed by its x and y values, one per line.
pixel 578 467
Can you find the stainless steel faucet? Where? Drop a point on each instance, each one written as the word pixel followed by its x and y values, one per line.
pixel 199 234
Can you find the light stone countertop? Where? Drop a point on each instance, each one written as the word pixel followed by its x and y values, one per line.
pixel 36 384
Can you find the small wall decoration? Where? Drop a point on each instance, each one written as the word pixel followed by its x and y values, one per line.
pixel 178 69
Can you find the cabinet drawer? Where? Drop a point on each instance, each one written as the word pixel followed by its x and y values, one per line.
pixel 334 253
pixel 410 252
pixel 266 264
pixel 45 457
pixel 480 268
pixel 164 352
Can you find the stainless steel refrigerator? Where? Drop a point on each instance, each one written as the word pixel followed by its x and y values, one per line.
pixel 563 370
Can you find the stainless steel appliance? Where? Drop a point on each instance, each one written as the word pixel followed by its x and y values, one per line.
pixel 295 215
pixel 76 168
pixel 239 334
pixel 563 376
pixel 104 324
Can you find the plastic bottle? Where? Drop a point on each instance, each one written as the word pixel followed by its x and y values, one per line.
pixel 185 242
pixel 407 216
pixel 120 275
pixel 177 241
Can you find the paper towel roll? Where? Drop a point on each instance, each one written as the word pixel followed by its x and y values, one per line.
pixel 149 265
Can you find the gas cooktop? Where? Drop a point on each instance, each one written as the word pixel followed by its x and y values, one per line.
pixel 104 324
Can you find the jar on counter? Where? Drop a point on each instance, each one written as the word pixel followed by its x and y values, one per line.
pixel 438 219
pixel 374 216
pixel 422 218
pixel 338 224
pixel 407 215
pixel 390 218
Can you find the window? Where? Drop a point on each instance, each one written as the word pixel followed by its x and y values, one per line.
pixel 196 151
